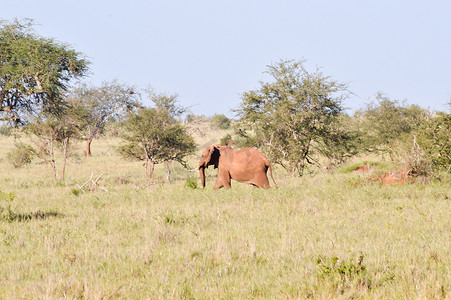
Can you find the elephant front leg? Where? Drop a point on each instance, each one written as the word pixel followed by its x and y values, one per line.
pixel 223 180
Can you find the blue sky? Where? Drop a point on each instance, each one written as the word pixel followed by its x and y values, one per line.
pixel 210 52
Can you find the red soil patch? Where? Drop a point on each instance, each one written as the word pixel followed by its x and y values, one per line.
pixel 363 168
pixel 396 177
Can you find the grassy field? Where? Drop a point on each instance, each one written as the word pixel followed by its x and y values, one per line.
pixel 319 236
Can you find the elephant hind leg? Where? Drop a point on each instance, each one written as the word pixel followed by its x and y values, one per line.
pixel 262 182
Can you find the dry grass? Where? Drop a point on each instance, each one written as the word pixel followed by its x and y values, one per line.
pixel 318 236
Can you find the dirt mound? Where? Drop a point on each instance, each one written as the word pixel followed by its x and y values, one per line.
pixel 400 177
pixel 363 168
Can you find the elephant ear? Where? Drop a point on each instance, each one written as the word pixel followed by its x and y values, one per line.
pixel 214 155
pixel 206 157
pixel 211 156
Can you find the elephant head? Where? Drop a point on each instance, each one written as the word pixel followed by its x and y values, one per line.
pixel 210 156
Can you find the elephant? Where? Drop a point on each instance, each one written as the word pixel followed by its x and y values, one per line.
pixel 246 165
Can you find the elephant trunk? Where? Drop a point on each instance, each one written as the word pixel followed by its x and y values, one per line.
pixel 202 175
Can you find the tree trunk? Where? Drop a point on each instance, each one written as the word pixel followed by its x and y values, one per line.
pixel 88 147
pixel 52 152
pixel 168 169
pixel 149 168
pixel 65 143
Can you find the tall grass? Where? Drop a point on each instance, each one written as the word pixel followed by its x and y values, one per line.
pixel 317 236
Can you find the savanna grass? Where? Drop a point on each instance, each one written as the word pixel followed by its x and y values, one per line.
pixel 318 236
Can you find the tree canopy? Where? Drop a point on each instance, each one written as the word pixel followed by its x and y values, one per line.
pixel 385 121
pixel 295 116
pixel 109 101
pixel 34 71
pixel 155 137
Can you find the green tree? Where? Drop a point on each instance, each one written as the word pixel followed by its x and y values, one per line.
pixel 52 132
pixel 155 137
pixel 434 138
pixel 34 71
pixel 100 105
pixel 166 102
pixel 294 118
pixel 385 121
pixel 221 121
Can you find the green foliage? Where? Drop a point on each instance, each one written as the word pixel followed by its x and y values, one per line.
pixel 344 275
pixel 346 270
pixel 53 131
pixel 5 130
pixel 98 105
pixel 8 197
pixel 295 119
pixel 221 121
pixel 154 136
pixel 427 150
pixel 434 137
pixel 34 71
pixel 75 192
pixel 190 118
pixel 166 102
pixel 226 140
pixel 191 183
pixel 385 121
pixel 21 155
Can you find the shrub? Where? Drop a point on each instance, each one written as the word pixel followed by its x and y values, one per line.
pixel 75 192
pixel 191 183
pixel 434 138
pixel 343 274
pixel 8 197
pixel 427 151
pixel 21 155
pixel 226 140
pixel 5 130
pixel 221 121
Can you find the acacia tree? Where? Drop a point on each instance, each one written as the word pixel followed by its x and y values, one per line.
pixel 101 104
pixel 295 117
pixel 34 71
pixel 155 137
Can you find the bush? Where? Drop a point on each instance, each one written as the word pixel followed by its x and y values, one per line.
pixel 5 130
pixel 427 151
pixel 221 121
pixel 21 155
pixel 191 183
pixel 434 138
pixel 75 192
pixel 226 140
pixel 343 274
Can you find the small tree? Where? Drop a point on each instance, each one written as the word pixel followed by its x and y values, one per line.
pixel 153 136
pixel 294 118
pixel 21 155
pixel 53 132
pixel 434 138
pixel 34 71
pixel 385 121
pixel 101 104
pixel 221 121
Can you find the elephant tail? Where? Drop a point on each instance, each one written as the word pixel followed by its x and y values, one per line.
pixel 270 173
